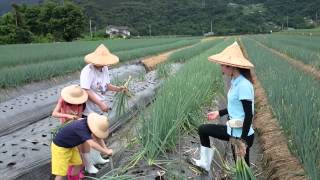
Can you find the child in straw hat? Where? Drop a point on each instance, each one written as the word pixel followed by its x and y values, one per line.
pixel 70 107
pixel 64 149
pixel 240 108
pixel 71 104
pixel 95 80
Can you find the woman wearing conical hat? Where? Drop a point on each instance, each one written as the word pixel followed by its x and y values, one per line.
pixel 239 109
pixel 95 80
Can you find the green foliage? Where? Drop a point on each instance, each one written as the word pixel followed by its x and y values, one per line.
pixel 141 52
pixel 301 48
pixel 35 53
pixel 43 61
pixel 243 171
pixel 295 100
pixel 165 17
pixel 188 53
pixel 180 95
pixel 176 17
pixel 190 17
pixel 163 70
pixel 63 22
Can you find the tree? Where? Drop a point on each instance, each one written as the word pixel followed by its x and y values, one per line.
pixel 67 21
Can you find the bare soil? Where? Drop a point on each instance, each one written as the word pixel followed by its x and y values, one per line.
pixel 151 62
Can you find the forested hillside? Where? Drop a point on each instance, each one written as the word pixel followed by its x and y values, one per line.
pixel 188 17
pixel 194 17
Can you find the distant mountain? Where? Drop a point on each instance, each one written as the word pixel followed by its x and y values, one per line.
pixel 193 17
pixel 5 5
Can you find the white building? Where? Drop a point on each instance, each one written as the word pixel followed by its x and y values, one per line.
pixel 118 31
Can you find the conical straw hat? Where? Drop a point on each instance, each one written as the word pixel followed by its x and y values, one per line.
pixel 101 57
pixel 98 125
pixel 74 94
pixel 232 56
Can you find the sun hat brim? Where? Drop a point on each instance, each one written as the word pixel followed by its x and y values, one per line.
pixel 232 56
pixel 94 121
pixel 101 60
pixel 65 94
pixel 233 64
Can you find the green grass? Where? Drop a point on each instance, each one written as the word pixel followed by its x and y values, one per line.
pixel 23 54
pixel 142 52
pixel 188 53
pixel 295 100
pixel 302 32
pixel 23 74
pixel 300 48
pixel 17 76
pixel 180 96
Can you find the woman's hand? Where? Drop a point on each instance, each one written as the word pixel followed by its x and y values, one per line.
pixel 242 147
pixel 123 89
pixel 103 107
pixel 213 115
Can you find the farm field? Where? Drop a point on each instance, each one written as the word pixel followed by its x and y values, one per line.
pixel 303 32
pixel 179 92
pixel 50 60
pixel 301 48
pixel 291 93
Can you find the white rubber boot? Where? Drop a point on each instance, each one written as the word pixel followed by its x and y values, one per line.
pixel 206 155
pixel 88 164
pixel 96 157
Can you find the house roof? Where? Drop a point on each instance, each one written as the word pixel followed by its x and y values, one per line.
pixel 118 27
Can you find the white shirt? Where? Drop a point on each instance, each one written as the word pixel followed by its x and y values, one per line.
pixel 97 81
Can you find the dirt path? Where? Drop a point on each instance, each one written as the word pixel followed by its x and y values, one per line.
pixel 296 63
pixel 151 62
pixel 279 163
pixel 208 39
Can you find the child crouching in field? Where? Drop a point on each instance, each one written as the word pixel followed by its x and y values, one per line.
pixel 64 146
pixel 70 106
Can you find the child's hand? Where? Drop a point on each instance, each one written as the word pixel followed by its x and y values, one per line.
pixel 71 117
pixel 109 152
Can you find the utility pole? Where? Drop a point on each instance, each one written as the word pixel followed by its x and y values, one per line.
pixel 203 3
pixel 90 29
pixel 16 20
pixel 211 26
pixel 150 30
pixel 316 18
